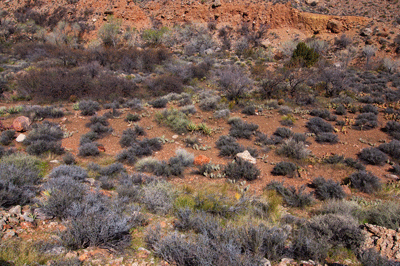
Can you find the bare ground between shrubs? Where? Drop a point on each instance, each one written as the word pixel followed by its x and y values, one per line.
pixel 351 142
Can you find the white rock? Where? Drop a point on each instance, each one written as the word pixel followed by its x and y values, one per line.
pixel 54 161
pixel 21 138
pixel 175 136
pixel 246 156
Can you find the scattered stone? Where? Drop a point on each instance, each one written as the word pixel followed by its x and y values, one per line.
pixel 27 225
pixel 54 161
pixel 144 250
pixel 9 234
pixel 56 251
pixel 366 32
pixel 21 138
pixel 286 262
pixel 101 148
pixel 91 181
pixel 335 26
pixel 21 123
pixel 15 211
pixel 27 218
pixel 265 262
pixel 246 156
pixel 71 255
pixel 216 3
pixel 312 2
pixel 201 159
pixel 41 215
pixel 175 136
pixel 394 177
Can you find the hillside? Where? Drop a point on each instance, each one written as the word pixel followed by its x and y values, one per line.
pixel 199 132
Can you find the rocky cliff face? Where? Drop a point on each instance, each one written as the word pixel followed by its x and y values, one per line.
pixel 168 13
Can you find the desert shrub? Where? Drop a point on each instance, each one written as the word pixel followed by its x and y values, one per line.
pixel 327 189
pixel 88 149
pixel 88 138
pixel 395 169
pixel 366 121
pixel 334 159
pixel 6 137
pixel 99 125
pixel 324 232
pixel 188 109
pixel 209 102
pixel 292 196
pixel 88 107
pixel 73 171
pixel 44 137
pixel 174 119
pixel 132 117
pixel 241 129
pixel 249 110
pixel 371 257
pixel 341 207
pixel 37 112
pixel 224 113
pixel 393 129
pixel 343 41
pixel 69 159
pixel 369 109
pixel 138 149
pixel 365 181
pixel 159 102
pixel 234 83
pixel 392 148
pixel 228 146
pixel 66 262
pixel 318 125
pixel 283 132
pixel 293 149
pixel 327 137
pixel 373 156
pixel 341 110
pixel 324 114
pixel 284 168
pixel 240 169
pixel 129 136
pixel 62 192
pixel 164 84
pixel 299 137
pixel 384 214
pixel 19 175
pixel 96 221
pixel 158 197
pixel 304 55
pixel 263 139
pixel 133 104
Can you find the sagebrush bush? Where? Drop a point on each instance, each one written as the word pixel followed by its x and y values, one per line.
pixel 366 121
pixel 224 113
pixel 283 132
pixel 209 102
pixel 129 136
pixel 240 169
pixel 371 257
pixel 263 139
pixel 38 112
pixel 373 156
pixel 324 114
pixel 88 138
pixel 365 181
pixel 392 148
pixel 99 125
pixel 341 207
pixel 368 108
pixel 159 102
pixel 318 125
pixel 6 137
pixel 292 196
pixel 234 82
pixel 188 109
pixel 393 129
pixel 73 171
pixel 19 175
pixel 158 197
pixel 327 189
pixel 132 117
pixel 386 214
pixel 285 168
pixel 88 149
pixel 293 149
pixel 241 129
pixel 249 110
pixel 228 147
pixel 341 110
pixel 44 137
pixel 96 221
pixel 333 159
pixel 164 84
pixel 62 191
pixel 69 159
pixel 350 162
pixel 88 107
pixel 324 137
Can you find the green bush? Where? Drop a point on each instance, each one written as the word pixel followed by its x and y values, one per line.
pixel 174 119
pixel 304 54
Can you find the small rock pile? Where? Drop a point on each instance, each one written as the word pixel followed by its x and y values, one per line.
pixel 385 241
pixel 16 220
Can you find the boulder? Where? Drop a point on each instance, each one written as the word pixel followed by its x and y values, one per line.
pixel 366 32
pixel 21 123
pixel 246 156
pixel 201 159
pixel 383 240
pixel 335 26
